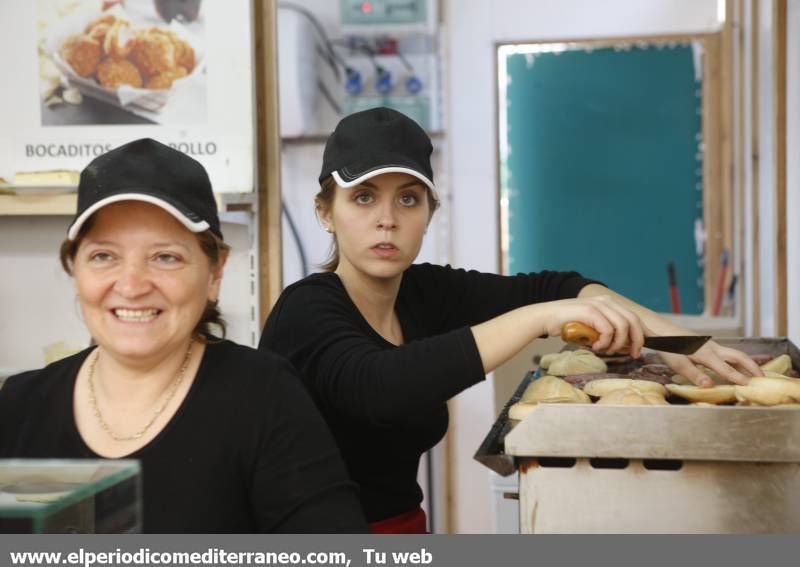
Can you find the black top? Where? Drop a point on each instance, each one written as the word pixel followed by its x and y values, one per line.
pixel 386 404
pixel 245 452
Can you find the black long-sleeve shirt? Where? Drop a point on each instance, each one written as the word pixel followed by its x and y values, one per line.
pixel 247 451
pixel 386 405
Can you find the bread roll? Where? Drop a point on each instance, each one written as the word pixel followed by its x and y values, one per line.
pixel 768 391
pixel 769 374
pixel 547 359
pixel 632 397
pixel 604 386
pixel 716 395
pixel 520 410
pixel 579 361
pixel 546 390
pixel 554 390
pixel 780 364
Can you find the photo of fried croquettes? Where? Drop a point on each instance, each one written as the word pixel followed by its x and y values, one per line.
pixel 97 29
pixel 115 53
pixel 82 53
pixel 117 44
pixel 164 80
pixel 98 32
pixel 153 53
pixel 184 54
pixel 104 18
pixel 113 73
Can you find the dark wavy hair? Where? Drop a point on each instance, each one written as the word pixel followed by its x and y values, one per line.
pixel 211 327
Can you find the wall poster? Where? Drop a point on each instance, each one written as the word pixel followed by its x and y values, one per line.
pixel 84 76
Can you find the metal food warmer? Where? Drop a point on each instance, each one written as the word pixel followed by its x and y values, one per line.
pixel 587 468
pixel 70 496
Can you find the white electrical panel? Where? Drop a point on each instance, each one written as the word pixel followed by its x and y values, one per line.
pixel 399 16
pixel 339 58
pixel 392 58
pixel 408 85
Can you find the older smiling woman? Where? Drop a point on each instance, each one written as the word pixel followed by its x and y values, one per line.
pixel 228 439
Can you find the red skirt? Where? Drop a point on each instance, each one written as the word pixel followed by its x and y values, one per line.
pixel 413 522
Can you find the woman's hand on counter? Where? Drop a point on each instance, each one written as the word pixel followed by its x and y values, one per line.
pixel 731 364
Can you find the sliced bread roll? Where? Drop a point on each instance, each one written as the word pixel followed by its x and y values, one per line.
pixel 548 359
pixel 521 410
pixel 780 364
pixel 632 397
pixel 546 390
pixel 768 391
pixel 715 395
pixel 579 361
pixel 768 374
pixel 604 386
pixel 551 389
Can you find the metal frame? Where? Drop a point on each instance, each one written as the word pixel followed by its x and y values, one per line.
pixel 268 215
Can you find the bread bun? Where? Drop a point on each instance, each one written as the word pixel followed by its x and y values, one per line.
pixel 716 395
pixel 632 397
pixel 604 386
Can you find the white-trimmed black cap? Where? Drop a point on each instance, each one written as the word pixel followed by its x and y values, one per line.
pixel 148 171
pixel 375 141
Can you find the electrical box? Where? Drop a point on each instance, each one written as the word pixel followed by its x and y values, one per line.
pixel 384 53
pixel 406 80
pixel 362 16
pixel 392 58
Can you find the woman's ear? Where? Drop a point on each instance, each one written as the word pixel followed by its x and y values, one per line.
pixel 324 216
pixel 216 275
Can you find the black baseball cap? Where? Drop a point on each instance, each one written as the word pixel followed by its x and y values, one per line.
pixel 149 171
pixel 375 141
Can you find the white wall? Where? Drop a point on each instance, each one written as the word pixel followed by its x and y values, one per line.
pixel 766 177
pixel 746 131
pixel 474 28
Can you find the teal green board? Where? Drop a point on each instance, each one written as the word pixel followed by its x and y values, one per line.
pixel 604 168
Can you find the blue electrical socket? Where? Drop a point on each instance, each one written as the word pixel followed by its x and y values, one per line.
pixel 413 84
pixel 383 84
pixel 353 85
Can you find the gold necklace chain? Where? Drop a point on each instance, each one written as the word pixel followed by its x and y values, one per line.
pixel 172 389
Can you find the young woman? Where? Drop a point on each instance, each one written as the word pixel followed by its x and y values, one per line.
pixel 228 439
pixel 382 343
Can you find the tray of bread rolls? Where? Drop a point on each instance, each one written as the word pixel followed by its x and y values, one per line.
pixel 576 404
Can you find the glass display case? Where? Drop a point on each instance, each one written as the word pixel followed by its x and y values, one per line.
pixel 70 496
